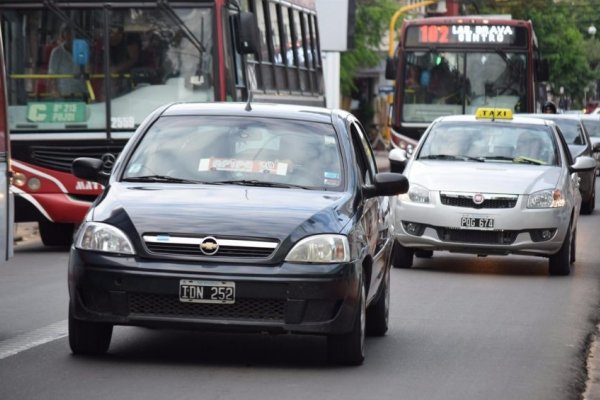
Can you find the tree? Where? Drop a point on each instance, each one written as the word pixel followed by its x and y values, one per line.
pixel 372 21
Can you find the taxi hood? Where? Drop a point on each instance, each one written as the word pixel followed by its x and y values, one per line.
pixel 458 176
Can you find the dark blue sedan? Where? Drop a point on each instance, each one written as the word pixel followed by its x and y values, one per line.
pixel 237 217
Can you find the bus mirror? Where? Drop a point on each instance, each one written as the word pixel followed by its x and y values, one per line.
pixel 542 70
pixel 81 52
pixel 390 68
pixel 247 29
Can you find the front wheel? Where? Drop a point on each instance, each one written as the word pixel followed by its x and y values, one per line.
pixel 349 349
pixel 402 257
pixel 88 338
pixel 559 263
pixel 53 234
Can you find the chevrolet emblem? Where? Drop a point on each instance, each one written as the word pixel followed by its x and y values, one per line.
pixel 209 246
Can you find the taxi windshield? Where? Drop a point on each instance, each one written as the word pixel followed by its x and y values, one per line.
pixel 242 151
pixel 490 142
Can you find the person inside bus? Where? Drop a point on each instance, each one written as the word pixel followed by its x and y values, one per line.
pixel 549 108
pixel 125 50
pixel 61 62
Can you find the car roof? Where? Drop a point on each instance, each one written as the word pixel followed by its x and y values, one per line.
pixel 574 117
pixel 283 111
pixel 517 119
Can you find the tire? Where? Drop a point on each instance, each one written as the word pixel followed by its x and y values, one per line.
pixel 424 253
pixel 559 263
pixel 574 246
pixel 349 349
pixel 56 234
pixel 88 338
pixel 587 207
pixel 379 312
pixel 402 257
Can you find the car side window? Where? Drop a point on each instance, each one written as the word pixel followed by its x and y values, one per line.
pixel 364 153
pixel 565 146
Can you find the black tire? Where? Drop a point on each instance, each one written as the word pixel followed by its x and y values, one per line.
pixel 56 234
pixel 559 263
pixel 378 313
pixel 349 349
pixel 402 257
pixel 424 253
pixel 587 207
pixel 574 246
pixel 89 338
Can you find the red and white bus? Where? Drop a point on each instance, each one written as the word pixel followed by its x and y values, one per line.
pixel 82 75
pixel 6 204
pixel 454 65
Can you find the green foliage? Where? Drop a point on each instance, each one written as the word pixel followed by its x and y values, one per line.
pixel 372 20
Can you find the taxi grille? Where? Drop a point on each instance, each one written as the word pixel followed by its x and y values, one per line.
pixel 477 236
pixel 467 201
pixel 170 306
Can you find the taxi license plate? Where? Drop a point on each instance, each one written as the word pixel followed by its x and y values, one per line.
pixel 196 291
pixel 469 222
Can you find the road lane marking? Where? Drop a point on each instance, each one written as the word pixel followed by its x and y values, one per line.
pixel 28 340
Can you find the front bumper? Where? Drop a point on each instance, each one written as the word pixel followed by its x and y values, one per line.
pixel 516 230
pixel 317 299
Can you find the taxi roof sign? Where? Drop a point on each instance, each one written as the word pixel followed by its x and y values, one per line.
pixel 494 113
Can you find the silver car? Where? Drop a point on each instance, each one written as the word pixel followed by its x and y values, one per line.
pixel 489 184
pixel 592 125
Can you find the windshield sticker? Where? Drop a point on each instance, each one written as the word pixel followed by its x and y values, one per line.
pixel 235 165
pixel 331 182
pixel 134 168
pixel 329 139
pixel 331 175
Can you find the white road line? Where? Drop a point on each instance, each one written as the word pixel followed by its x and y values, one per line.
pixel 28 340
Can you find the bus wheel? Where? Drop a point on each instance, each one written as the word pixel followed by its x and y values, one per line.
pixel 56 234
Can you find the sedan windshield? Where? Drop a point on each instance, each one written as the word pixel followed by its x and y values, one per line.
pixel 592 126
pixel 490 142
pixel 238 151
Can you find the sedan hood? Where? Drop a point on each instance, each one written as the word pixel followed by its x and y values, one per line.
pixel 457 176
pixel 222 210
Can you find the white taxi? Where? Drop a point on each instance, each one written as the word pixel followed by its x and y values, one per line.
pixel 489 184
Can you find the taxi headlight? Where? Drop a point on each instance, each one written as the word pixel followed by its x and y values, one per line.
pixel 96 236
pixel 546 199
pixel 416 194
pixel 320 249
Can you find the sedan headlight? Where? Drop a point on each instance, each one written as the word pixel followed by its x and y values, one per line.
pixel 97 236
pixel 550 198
pixel 416 194
pixel 320 249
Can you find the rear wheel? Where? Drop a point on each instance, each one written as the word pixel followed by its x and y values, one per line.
pixel 349 349
pixel 53 234
pixel 559 263
pixel 402 257
pixel 88 338
pixel 378 313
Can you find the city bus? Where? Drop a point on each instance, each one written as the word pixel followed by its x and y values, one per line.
pixel 454 65
pixel 6 204
pixel 82 75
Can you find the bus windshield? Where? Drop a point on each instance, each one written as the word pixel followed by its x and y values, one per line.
pixel 68 68
pixel 455 82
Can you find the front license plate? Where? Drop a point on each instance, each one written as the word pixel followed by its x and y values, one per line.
pixel 469 222
pixel 194 291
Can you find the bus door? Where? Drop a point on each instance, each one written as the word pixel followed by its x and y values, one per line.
pixel 6 205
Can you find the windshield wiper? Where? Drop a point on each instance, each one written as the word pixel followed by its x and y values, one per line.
pixel 452 157
pixel 528 160
pixel 255 182
pixel 158 178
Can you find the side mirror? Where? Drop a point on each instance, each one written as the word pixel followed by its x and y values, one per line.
pixel 390 68
pixel 398 159
pixel 583 164
pixel 248 36
pixel 89 169
pixel 387 184
pixel 596 147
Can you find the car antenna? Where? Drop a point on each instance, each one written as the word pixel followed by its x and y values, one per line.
pixel 248 105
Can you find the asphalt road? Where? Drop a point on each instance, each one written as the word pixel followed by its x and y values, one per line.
pixel 462 327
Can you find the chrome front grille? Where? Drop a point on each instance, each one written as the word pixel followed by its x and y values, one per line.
pixel 242 309
pixel 457 199
pixel 209 246
pixel 60 156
